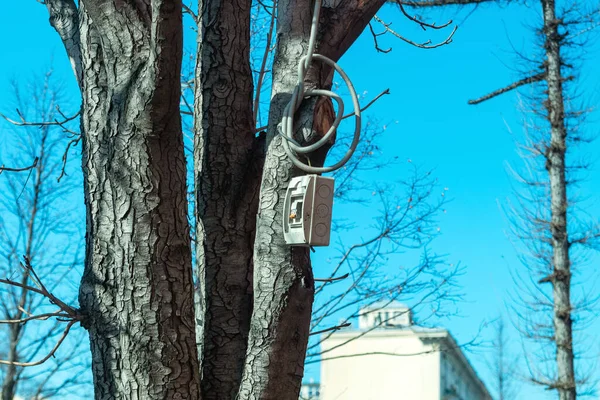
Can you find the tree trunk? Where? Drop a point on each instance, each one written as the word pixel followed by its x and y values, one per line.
pixel 137 289
pixel 283 279
pixel 561 276
pixel 228 162
pixel 137 286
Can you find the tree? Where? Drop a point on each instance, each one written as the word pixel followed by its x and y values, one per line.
pixel 37 223
pixel 502 365
pixel 550 227
pixel 255 295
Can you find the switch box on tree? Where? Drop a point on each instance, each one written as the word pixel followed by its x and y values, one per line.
pixel 307 211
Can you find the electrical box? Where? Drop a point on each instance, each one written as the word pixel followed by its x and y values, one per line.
pixel 307 211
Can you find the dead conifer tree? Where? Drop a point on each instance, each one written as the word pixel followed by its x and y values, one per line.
pixel 546 218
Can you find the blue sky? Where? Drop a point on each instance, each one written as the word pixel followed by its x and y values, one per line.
pixel 428 121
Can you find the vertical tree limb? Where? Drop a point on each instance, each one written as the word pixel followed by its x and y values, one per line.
pixel 137 287
pixel 227 176
pixel 561 276
pixel 283 280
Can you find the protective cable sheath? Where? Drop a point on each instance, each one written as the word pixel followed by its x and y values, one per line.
pixel 291 147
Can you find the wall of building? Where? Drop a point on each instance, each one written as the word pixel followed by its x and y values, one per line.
pixel 457 382
pixel 379 376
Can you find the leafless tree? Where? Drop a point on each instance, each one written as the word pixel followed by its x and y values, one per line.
pixel 546 218
pixel 255 293
pixel 37 222
pixel 503 364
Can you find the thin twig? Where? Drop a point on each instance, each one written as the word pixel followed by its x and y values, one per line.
pixel 375 36
pixel 262 128
pixel 188 10
pixel 440 3
pixel 425 45
pixel 73 313
pixel 69 314
pixel 263 66
pixel 34 317
pixel 333 328
pixel 53 299
pixel 30 288
pixel 422 24
pixel 51 354
pixel 3 168
pixel 369 104
pixel 39 123
pixel 65 156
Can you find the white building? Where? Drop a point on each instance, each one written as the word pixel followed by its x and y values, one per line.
pixel 310 391
pixel 389 358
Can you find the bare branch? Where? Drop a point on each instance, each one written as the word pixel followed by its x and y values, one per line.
pixel 440 3
pixel 56 122
pixel 72 312
pixel 3 168
pixel 65 156
pixel 34 317
pixel 263 65
pixel 424 25
pixel 375 36
pixel 425 45
pixel 51 354
pixel 189 11
pixel 332 329
pixel 77 136
pixel 31 327
pixel 525 81
pixel 380 95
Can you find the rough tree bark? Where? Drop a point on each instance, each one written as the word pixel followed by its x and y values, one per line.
pixel 228 161
pixel 137 286
pixel 561 276
pixel 64 18
pixel 137 291
pixel 283 281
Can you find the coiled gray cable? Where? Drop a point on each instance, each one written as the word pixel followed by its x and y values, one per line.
pixel 287 123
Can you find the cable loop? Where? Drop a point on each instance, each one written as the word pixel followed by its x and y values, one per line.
pixel 287 123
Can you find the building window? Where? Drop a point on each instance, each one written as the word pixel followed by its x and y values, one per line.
pixel 377 320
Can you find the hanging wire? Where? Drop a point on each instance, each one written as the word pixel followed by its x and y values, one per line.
pixel 293 148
